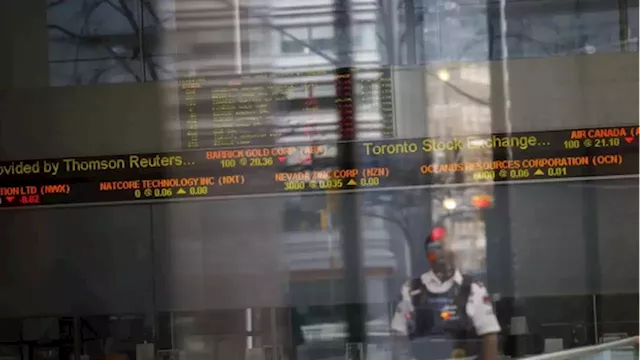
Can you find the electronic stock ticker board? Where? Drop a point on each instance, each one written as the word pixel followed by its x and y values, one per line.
pixel 312 168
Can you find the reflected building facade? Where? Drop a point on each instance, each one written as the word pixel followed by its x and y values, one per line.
pixel 214 278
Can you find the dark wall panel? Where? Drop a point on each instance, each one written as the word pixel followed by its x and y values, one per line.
pixel 219 254
pixel 76 260
pixel 564 244
pixel 618 235
pixel 547 233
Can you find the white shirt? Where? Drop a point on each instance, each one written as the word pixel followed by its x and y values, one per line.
pixel 479 308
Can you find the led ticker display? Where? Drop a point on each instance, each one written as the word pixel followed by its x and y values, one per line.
pixel 239 111
pixel 385 164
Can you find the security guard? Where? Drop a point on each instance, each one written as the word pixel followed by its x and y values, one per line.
pixel 443 313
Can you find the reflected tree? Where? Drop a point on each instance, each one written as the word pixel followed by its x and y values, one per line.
pixel 408 210
pixel 98 38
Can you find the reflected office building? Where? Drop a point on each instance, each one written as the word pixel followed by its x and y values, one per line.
pixel 263 277
pixel 280 285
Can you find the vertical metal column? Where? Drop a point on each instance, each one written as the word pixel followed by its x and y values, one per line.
pixel 389 21
pixel 593 267
pixel 141 45
pixel 623 24
pixel 77 338
pixel 349 213
pixel 237 37
pixel 410 31
pixel 408 83
pixel 593 271
pixel 500 258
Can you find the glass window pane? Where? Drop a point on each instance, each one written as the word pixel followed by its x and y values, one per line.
pixel 78 29
pixel 92 72
pixel 365 36
pixel 165 68
pixel 210 213
pixel 160 26
pixel 324 90
pixel 322 31
pixel 293 40
pixel 93 42
pixel 300 33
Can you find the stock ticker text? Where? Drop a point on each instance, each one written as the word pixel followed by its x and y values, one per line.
pixel 314 169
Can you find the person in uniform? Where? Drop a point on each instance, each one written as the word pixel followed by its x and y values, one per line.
pixel 443 313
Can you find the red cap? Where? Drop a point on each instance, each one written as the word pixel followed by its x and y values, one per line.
pixel 438 233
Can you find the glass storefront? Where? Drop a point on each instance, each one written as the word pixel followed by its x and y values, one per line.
pixel 267 180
